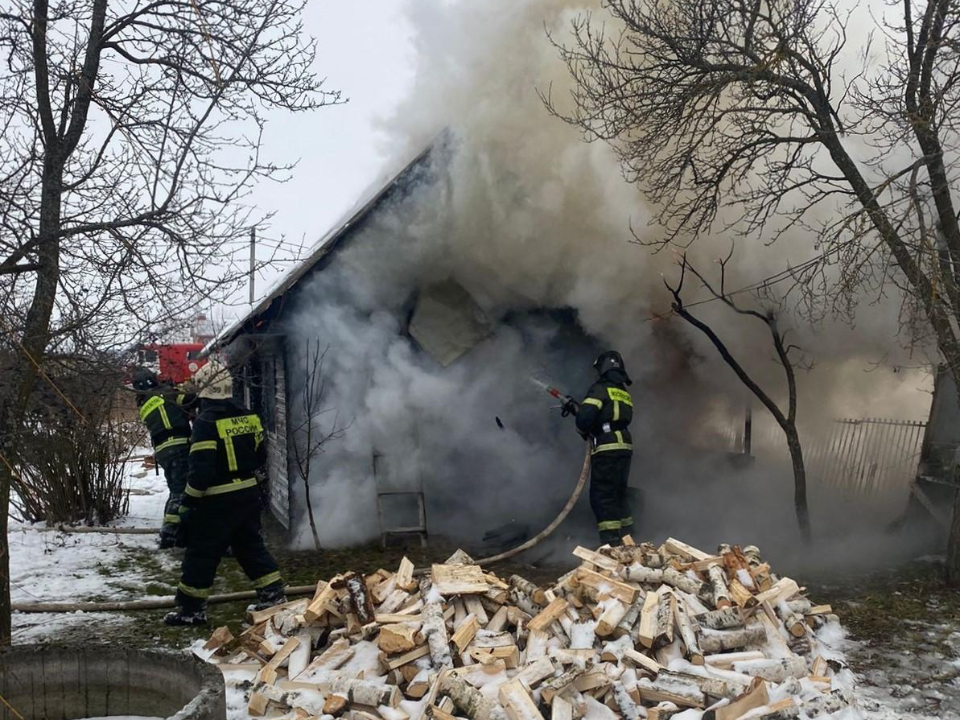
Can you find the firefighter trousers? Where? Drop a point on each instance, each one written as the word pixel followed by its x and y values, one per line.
pixel 175 462
pixel 609 475
pixel 217 523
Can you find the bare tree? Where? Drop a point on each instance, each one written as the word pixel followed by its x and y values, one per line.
pixel 131 138
pixel 310 437
pixel 743 109
pixel 786 419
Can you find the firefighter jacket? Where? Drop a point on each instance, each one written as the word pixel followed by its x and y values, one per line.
pixel 227 448
pixel 165 412
pixel 605 414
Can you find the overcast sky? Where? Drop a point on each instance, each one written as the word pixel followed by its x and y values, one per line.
pixel 365 51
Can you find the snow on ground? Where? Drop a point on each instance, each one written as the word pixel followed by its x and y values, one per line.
pixel 51 566
pixel 914 675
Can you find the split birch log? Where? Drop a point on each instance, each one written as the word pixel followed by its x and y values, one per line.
pixel 399 638
pixel 552 688
pixel 561 709
pixel 667 576
pixel 755 697
pixel 517 702
pixel 630 618
pixel 365 692
pixel 471 702
pixel 726 619
pixel 628 708
pixel 360 600
pixel 688 633
pixel 725 688
pixel 435 630
pixel 680 693
pixel 610 618
pixel 526 587
pixel 536 645
pixel 656 621
pixel 726 660
pixel 776 671
pixel 715 641
pixel 718 583
pixel 524 602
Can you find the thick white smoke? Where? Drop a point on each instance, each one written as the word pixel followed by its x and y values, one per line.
pixel 529 219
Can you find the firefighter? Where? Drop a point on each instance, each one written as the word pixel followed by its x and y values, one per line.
pixel 165 412
pixel 221 505
pixel 603 417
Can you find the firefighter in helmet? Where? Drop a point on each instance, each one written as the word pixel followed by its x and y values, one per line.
pixel 603 417
pixel 221 505
pixel 165 412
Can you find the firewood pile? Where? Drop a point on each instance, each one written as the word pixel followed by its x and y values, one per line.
pixel 634 631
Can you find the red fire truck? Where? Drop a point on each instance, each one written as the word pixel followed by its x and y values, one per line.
pixel 173 362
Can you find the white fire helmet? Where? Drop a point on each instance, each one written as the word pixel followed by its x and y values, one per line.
pixel 213 381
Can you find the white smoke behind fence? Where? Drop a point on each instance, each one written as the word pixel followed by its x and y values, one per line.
pixel 529 219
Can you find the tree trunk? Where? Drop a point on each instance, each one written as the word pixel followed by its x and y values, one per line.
pixel 799 483
pixel 33 344
pixel 953 546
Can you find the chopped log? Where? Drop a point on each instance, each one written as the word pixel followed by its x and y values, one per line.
pixel 499 620
pixel 688 633
pixel 601 561
pixel 783 589
pixel 755 697
pixel 460 558
pixel 335 656
pixel 406 658
pixel 435 631
pixel 681 549
pixel 525 603
pixel 819 666
pixel 473 605
pixel 643 554
pixel 300 657
pixel 459 580
pixel 628 708
pixel 630 618
pixel 517 702
pixel 553 687
pixel 726 660
pixel 360 601
pixel 715 641
pixel 522 585
pixel 783 710
pixel 561 709
pixel 727 619
pixel 647 629
pixel 610 618
pixel 641 661
pixel 656 623
pixel 669 576
pixel 663 711
pixel 365 692
pixel 391 618
pixel 773 670
pixel 551 613
pixel 536 672
pixel 718 583
pixel 466 632
pixel 399 638
pixel 393 602
pixel 721 688
pixel 536 645
pixel 220 637
pixel 680 693
pixel 404 578
pixel 335 705
pixel 470 701
pixel 269 672
pixel 318 607
pixel 258 704
pixel 620 590
pixel 740 594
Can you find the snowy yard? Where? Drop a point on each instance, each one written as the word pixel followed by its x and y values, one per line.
pixel 913 673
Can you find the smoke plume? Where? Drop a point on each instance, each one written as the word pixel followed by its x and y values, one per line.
pixel 535 225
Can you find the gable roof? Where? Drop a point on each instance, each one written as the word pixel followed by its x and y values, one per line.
pixel 321 249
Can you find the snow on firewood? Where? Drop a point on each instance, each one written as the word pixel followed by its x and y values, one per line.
pixel 669 632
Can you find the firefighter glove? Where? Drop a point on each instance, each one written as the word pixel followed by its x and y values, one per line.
pixel 570 407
